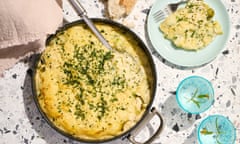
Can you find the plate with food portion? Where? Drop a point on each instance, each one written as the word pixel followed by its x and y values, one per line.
pixel 193 35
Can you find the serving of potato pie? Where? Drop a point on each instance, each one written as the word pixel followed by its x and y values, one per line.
pixel 191 27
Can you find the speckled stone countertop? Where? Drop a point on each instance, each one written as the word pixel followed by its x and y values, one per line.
pixel 21 122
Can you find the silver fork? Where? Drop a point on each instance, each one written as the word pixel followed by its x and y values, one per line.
pixel 82 12
pixel 169 9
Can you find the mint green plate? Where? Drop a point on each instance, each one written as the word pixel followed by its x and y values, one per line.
pixel 182 57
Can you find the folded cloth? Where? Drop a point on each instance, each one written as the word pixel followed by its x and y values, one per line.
pixel 9 56
pixel 24 25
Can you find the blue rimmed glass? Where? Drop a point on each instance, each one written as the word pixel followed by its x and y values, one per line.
pixel 195 94
pixel 216 129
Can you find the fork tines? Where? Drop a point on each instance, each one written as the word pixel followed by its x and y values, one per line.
pixel 161 14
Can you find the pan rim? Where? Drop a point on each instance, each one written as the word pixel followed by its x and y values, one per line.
pixel 154 85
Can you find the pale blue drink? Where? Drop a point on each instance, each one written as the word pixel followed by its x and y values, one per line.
pixel 216 129
pixel 195 94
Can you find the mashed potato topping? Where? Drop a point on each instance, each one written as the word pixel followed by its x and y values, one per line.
pixel 191 27
pixel 88 91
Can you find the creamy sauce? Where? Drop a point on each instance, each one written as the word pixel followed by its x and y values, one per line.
pixel 87 90
pixel 191 27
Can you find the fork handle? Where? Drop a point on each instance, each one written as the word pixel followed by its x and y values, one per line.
pixel 82 13
pixel 78 7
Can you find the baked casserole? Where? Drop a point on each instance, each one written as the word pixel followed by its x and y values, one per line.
pixel 88 91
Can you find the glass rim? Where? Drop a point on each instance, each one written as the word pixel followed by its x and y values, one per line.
pixel 212 116
pixel 180 85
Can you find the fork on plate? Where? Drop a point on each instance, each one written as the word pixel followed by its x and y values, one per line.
pixel 170 8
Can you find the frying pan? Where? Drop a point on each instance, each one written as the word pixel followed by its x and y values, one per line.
pixel 149 112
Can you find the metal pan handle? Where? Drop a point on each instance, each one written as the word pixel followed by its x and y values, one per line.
pixel 146 120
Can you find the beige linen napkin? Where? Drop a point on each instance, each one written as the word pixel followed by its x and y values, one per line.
pixel 24 25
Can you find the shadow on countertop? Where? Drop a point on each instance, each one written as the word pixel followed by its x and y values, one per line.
pixel 177 120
